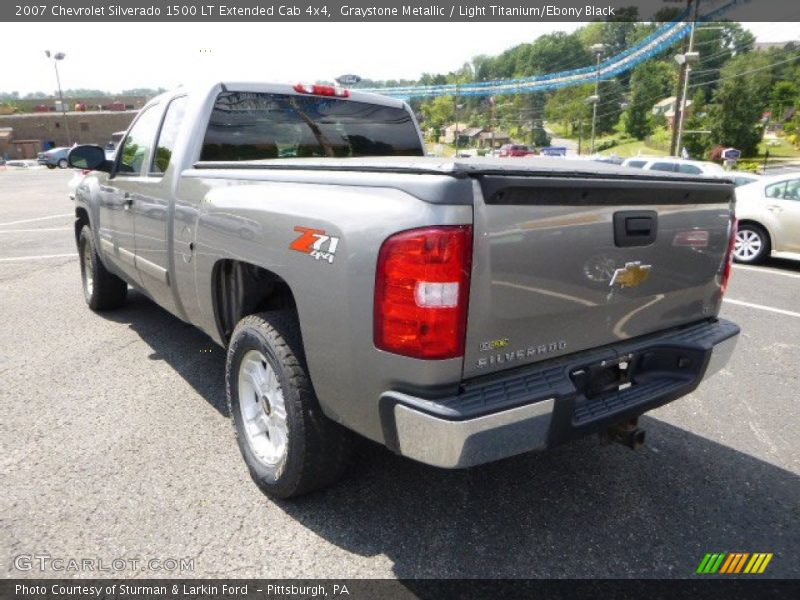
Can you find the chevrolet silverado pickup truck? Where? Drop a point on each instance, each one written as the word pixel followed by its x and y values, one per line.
pixel 456 311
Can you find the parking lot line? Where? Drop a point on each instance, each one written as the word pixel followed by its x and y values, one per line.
pixel 780 311
pixel 762 270
pixel 40 257
pixel 36 230
pixel 37 219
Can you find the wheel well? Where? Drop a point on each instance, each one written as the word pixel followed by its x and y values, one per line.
pixel 81 219
pixel 241 289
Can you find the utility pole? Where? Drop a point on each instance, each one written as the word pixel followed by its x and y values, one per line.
pixel 595 99
pixel 57 57
pixel 683 81
pixel 455 116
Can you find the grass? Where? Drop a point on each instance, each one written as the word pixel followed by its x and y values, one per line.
pixel 781 149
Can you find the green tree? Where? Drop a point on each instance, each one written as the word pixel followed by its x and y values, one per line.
pixel 735 116
pixel 785 94
pixel 650 82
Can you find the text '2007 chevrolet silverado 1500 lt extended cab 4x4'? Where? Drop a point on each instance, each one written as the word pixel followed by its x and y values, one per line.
pixel 457 312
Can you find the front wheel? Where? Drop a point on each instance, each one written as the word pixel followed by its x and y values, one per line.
pixel 101 289
pixel 63 164
pixel 290 447
pixel 752 244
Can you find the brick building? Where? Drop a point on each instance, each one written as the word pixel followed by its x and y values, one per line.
pixel 50 130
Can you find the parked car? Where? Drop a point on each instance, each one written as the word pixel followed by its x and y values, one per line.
pixel 55 157
pixel 449 311
pixel 675 165
pixel 516 150
pixel 111 145
pixel 768 211
pixel 740 178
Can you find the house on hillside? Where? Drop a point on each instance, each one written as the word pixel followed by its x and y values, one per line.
pixel 667 108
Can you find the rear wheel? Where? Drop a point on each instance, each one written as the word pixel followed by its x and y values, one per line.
pixel 289 446
pixel 752 244
pixel 49 166
pixel 102 289
pixel 63 164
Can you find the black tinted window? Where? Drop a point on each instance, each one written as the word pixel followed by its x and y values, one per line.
pixel 254 125
pixel 692 169
pixel 637 164
pixel 663 166
pixel 167 136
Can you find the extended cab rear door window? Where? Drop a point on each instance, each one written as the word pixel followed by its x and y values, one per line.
pixel 167 136
pixel 258 125
pixel 136 147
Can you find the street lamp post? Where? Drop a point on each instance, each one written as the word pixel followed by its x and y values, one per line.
pixel 594 99
pixel 55 58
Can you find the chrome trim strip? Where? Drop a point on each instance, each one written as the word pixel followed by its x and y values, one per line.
pixel 453 444
pixel 152 269
pixel 127 256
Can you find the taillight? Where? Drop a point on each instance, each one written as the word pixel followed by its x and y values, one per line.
pixel 322 90
pixel 422 292
pixel 726 272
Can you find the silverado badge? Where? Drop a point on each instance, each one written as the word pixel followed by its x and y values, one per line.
pixel 631 275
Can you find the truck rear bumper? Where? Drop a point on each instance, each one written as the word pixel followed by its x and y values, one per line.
pixel 548 403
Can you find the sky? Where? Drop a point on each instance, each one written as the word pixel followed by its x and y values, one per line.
pixel 117 56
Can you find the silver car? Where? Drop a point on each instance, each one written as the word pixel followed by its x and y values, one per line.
pixel 769 219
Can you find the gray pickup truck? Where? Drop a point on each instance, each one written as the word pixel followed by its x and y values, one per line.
pixel 456 311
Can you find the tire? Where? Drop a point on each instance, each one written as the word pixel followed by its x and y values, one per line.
pixel 752 244
pixel 49 166
pixel 102 290
pixel 289 446
pixel 63 163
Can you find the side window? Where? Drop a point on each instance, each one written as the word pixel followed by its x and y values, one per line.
pixel 137 144
pixel 776 190
pixel 636 164
pixel 692 169
pixel 663 166
pixel 792 191
pixel 167 136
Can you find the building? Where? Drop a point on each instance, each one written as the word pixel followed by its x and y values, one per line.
pixel 487 138
pixel 26 134
pixel 667 108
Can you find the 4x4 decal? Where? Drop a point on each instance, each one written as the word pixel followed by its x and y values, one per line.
pixel 316 243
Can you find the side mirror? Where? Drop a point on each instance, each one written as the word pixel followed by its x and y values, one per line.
pixel 89 157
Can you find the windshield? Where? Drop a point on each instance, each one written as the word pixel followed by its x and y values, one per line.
pixel 255 125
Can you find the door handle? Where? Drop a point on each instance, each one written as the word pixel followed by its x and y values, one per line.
pixel 774 208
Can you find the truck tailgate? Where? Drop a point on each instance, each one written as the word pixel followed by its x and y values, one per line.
pixel 561 265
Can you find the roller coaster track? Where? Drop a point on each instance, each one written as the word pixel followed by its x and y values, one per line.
pixel 658 41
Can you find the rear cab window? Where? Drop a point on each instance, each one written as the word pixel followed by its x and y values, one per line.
pixel 637 164
pixel 261 125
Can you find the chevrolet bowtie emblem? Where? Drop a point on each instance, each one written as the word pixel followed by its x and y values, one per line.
pixel 631 275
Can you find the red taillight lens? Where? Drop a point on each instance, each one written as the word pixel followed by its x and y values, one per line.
pixel 322 90
pixel 726 272
pixel 422 292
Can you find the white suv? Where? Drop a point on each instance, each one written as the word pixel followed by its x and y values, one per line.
pixel 675 165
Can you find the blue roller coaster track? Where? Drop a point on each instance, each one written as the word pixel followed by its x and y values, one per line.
pixel 658 41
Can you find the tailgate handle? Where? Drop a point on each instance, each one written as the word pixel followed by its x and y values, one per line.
pixel 635 227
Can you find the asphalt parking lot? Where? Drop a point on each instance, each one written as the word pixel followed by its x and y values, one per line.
pixel 115 444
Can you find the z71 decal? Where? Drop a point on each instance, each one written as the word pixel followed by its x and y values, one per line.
pixel 316 243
